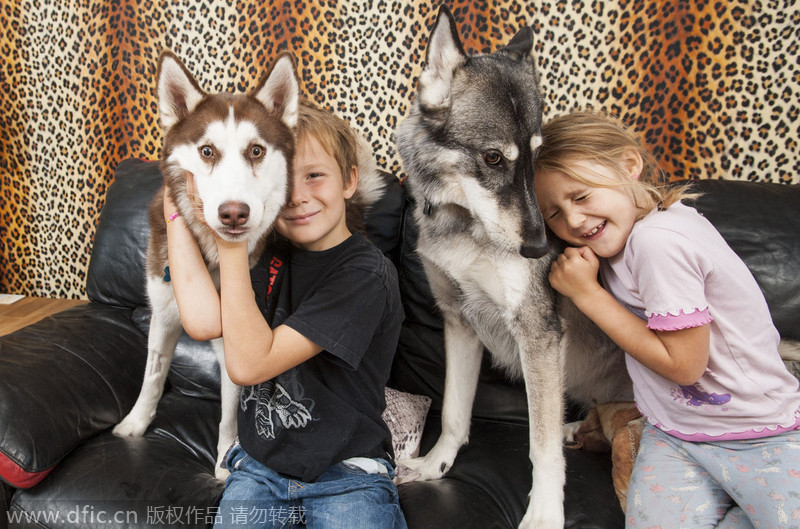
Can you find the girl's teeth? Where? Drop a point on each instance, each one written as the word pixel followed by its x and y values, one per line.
pixel 594 231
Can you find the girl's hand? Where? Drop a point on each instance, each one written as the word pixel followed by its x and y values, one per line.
pixel 574 273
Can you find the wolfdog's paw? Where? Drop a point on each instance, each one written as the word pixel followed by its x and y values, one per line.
pixel 131 426
pixel 423 468
pixel 545 517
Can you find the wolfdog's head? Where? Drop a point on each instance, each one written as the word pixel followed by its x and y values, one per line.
pixel 238 148
pixel 473 135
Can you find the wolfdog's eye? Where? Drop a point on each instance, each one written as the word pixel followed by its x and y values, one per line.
pixel 206 151
pixel 256 151
pixel 492 157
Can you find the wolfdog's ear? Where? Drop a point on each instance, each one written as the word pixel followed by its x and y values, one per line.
pixel 445 55
pixel 521 44
pixel 178 92
pixel 279 90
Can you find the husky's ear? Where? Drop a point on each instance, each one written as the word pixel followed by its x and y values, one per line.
pixel 521 44
pixel 178 92
pixel 445 55
pixel 279 90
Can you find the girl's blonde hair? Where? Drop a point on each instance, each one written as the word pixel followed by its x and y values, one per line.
pixel 593 137
pixel 333 133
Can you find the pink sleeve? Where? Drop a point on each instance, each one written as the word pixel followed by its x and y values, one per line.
pixel 676 322
pixel 670 273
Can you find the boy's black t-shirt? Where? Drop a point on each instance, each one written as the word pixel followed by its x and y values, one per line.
pixel 327 409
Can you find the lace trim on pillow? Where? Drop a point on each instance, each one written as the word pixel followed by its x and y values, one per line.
pixel 681 320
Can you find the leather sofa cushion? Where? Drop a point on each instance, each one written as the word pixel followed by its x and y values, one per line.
pixel 91 359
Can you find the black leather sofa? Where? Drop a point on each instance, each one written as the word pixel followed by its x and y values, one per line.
pixel 65 381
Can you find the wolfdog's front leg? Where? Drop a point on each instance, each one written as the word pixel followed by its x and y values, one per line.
pixel 229 395
pixel 165 329
pixel 463 352
pixel 542 370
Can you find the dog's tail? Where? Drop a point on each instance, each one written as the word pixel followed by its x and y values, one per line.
pixel 371 186
pixel 789 350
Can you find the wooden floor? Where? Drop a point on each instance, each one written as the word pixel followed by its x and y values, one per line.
pixel 30 310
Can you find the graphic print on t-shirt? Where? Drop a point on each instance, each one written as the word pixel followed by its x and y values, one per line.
pixel 696 396
pixel 275 408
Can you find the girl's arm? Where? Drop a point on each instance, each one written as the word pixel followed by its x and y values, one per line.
pixel 253 352
pixel 680 356
pixel 195 293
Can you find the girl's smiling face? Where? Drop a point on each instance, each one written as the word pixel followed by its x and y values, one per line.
pixel 582 215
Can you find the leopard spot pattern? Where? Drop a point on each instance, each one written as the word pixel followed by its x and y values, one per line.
pixel 711 84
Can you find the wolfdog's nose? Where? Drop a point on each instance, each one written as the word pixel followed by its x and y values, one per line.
pixel 233 213
pixel 534 249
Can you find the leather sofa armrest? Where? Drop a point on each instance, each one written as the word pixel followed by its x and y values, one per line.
pixel 63 380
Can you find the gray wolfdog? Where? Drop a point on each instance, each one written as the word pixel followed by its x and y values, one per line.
pixel 468 147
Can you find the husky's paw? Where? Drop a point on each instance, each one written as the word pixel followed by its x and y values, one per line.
pixel 131 426
pixel 543 517
pixel 569 430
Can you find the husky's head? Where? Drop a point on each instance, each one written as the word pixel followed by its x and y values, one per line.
pixel 473 135
pixel 237 147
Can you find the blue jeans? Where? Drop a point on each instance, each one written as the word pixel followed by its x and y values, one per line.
pixel 343 497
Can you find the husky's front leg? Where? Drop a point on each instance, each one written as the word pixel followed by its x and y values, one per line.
pixel 165 329
pixel 463 353
pixel 229 396
pixel 542 370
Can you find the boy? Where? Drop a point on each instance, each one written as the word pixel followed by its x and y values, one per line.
pixel 313 349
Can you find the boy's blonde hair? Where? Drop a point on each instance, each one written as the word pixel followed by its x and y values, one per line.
pixel 593 137
pixel 333 133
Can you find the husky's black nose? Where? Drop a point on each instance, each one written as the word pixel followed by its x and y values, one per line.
pixel 233 214
pixel 534 249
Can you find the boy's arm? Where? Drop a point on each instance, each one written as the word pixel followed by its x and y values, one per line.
pixel 253 352
pixel 195 292
pixel 680 356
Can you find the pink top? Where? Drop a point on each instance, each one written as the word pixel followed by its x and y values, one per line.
pixel 677 272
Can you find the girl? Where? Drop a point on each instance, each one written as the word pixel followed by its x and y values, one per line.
pixel 722 409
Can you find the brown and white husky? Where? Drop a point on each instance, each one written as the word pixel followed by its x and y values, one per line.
pixel 239 149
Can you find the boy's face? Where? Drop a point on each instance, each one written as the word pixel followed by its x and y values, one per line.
pixel 314 216
pixel 598 217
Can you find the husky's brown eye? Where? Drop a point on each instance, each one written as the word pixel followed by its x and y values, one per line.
pixel 206 151
pixel 256 151
pixel 492 157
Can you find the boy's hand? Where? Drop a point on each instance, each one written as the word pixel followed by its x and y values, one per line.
pixel 170 208
pixel 574 273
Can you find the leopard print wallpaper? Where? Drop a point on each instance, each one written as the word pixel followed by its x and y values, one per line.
pixel 713 85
